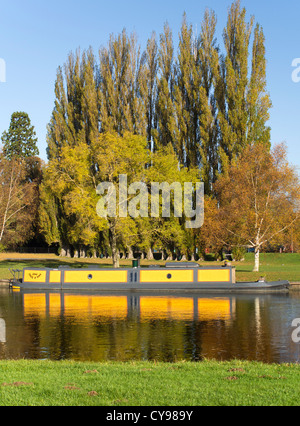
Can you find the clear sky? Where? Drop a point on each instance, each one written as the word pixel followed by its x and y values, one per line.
pixel 36 37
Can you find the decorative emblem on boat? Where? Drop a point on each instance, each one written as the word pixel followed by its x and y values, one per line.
pixel 35 275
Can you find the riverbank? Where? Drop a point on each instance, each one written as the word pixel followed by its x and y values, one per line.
pixel 274 266
pixel 68 383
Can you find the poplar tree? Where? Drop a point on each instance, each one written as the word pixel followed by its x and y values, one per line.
pixel 186 99
pixel 207 61
pixel 122 92
pixel 151 60
pixel 68 186
pixel 258 99
pixel 243 102
pixel 233 116
pixel 166 125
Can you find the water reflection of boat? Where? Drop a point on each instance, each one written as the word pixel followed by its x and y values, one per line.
pixel 185 276
pixel 120 307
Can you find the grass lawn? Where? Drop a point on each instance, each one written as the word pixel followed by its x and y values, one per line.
pixel 235 383
pixel 273 266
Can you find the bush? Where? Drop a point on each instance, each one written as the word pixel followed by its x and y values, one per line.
pixel 238 253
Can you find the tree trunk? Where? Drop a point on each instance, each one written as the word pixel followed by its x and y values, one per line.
pixel 166 255
pixel 113 244
pixel 150 254
pixel 129 253
pixel 65 251
pixel 256 260
pixel 83 253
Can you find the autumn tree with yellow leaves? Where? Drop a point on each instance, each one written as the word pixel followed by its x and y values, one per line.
pixel 259 198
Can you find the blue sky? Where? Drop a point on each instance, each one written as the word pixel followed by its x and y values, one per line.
pixel 36 37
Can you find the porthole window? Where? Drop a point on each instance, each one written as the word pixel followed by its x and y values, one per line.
pixel 169 276
pixel 90 277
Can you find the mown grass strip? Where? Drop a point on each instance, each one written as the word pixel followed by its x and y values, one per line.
pixel 208 383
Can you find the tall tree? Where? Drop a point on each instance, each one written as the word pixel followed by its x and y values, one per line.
pixel 73 128
pixel 122 92
pixel 20 140
pixel 114 156
pixel 243 102
pixel 151 61
pixel 258 99
pixel 166 125
pixel 69 177
pixel 169 232
pixel 186 99
pixel 207 61
pixel 233 116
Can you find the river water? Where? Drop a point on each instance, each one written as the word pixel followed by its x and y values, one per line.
pixel 132 326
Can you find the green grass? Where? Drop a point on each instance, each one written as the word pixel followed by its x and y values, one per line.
pixel 273 266
pixel 68 383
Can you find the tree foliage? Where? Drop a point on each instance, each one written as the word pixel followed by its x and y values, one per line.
pixel 18 203
pixel 159 115
pixel 20 140
pixel 259 198
pixel 20 177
